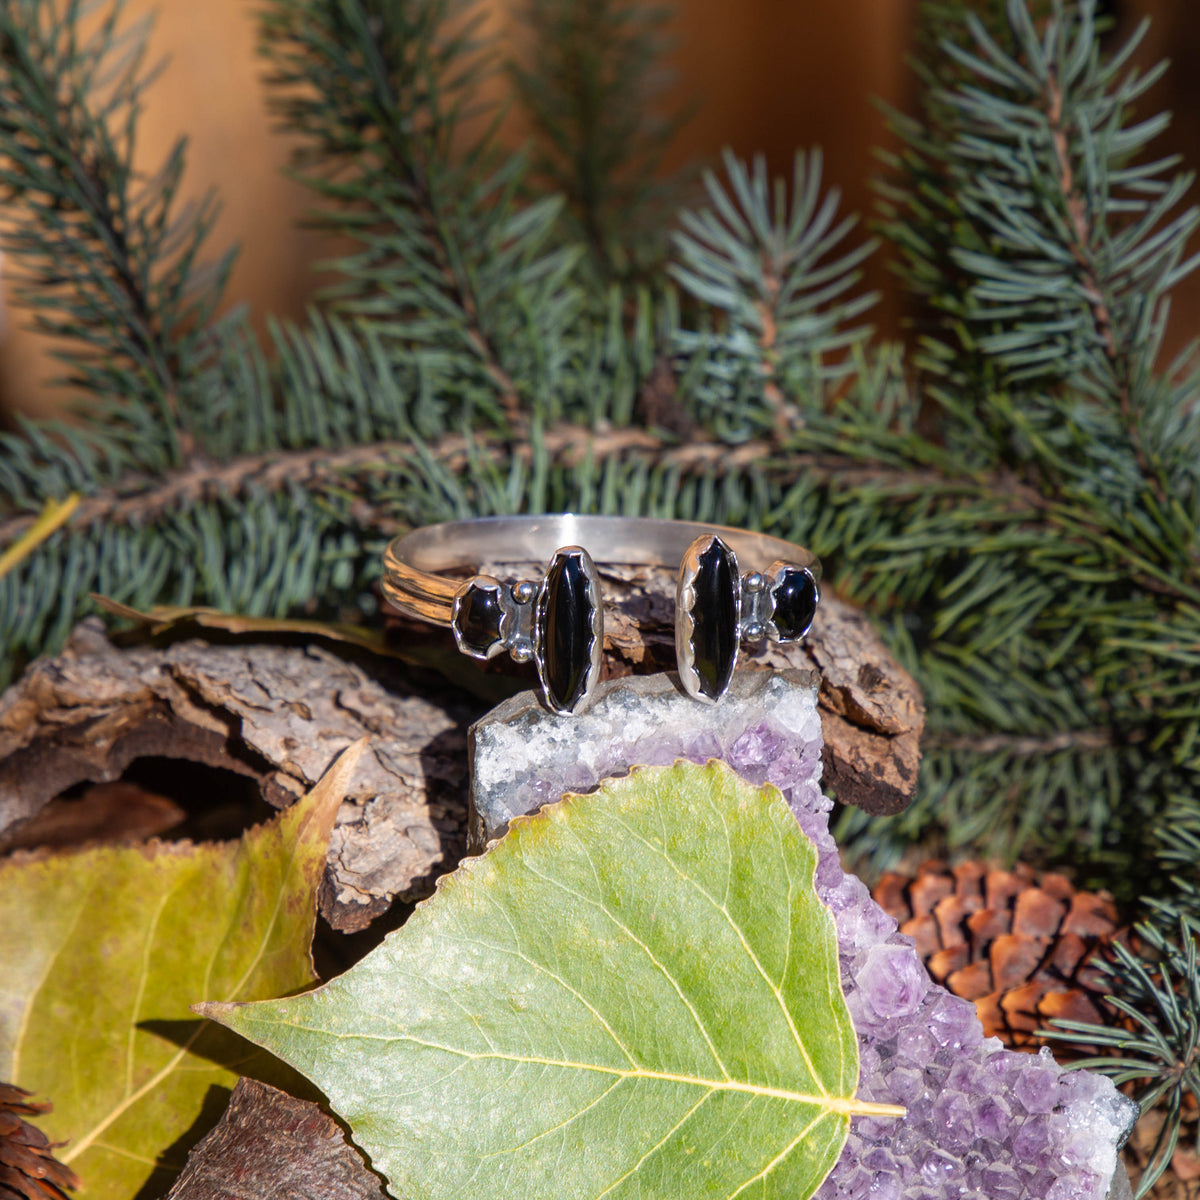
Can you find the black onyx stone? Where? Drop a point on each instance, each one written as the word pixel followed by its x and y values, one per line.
pixel 795 603
pixel 566 608
pixel 477 618
pixel 715 618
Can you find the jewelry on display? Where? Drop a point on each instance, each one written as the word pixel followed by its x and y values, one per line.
pixel 558 621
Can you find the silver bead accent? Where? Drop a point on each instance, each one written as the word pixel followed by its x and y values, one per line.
pixel 756 606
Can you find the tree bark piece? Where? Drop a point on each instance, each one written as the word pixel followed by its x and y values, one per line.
pixel 278 714
pixel 117 813
pixel 271 1146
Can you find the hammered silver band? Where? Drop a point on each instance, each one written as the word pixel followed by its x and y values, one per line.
pixel 559 621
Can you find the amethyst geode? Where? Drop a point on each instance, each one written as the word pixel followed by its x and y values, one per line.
pixel 982 1121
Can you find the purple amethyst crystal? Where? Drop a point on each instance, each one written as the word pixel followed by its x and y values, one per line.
pixel 955 1114
pixel 1037 1090
pixel 522 756
pixel 982 1121
pixel 891 983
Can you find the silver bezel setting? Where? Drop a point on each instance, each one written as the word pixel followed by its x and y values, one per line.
pixel 423 577
pixel 775 574
pixel 685 626
pixel 480 583
pixel 595 650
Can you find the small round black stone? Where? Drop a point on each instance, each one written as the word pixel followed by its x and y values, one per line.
pixel 795 597
pixel 566 609
pixel 477 619
pixel 715 618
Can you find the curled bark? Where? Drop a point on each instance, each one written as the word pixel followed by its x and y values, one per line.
pixel 277 715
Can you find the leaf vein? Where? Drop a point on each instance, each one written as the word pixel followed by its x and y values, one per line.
pixel 561 982
pixel 143 975
pixel 281 891
pixel 78 1147
pixel 849 1106
pixel 662 1141
pixel 446 994
pixel 781 1155
pixel 650 955
pixel 728 857
pixel 26 1015
pixel 73 1151
pixel 616 1083
pixel 745 946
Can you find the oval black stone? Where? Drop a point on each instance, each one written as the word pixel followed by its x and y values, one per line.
pixel 715 618
pixel 477 619
pixel 795 597
pixel 566 608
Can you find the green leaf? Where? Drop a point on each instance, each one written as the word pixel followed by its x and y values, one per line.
pixel 105 949
pixel 635 993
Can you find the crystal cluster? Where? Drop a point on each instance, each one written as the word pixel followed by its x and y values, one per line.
pixel 982 1121
pixel 523 757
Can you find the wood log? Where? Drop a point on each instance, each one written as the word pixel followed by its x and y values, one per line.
pixel 277 715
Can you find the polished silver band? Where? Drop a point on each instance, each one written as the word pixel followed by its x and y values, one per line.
pixel 559 621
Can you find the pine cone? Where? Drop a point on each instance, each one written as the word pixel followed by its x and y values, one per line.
pixel 1015 943
pixel 28 1171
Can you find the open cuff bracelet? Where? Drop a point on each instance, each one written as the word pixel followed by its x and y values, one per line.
pixel 558 621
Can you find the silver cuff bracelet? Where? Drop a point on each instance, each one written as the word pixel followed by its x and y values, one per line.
pixel 558 621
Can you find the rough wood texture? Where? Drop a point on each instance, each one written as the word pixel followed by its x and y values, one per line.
pixel 278 714
pixel 872 712
pixel 116 813
pixel 271 1145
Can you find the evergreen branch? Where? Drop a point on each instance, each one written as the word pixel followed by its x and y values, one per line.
pixel 1083 238
pixel 139 500
pixel 774 271
pixel 317 467
pixel 449 263
pixel 592 83
pixel 1019 746
pixel 1157 992
pixel 107 261
pixel 1177 853
pixel 1062 246
pixel 1046 252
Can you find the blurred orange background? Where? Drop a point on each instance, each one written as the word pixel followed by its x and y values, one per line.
pixel 770 76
